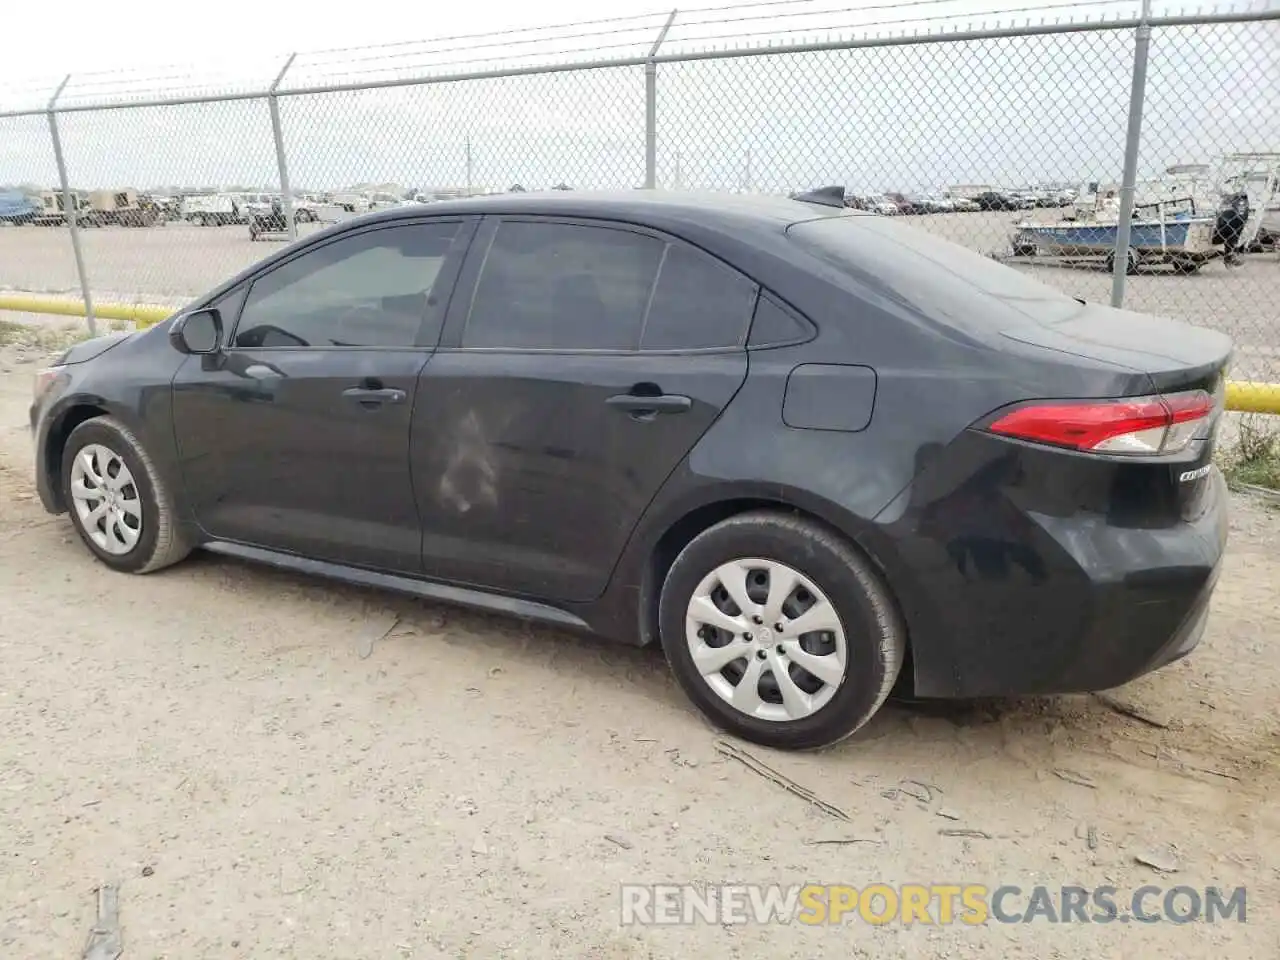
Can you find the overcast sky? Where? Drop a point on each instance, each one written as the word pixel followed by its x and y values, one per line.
pixel 230 32
pixel 905 117
pixel 150 40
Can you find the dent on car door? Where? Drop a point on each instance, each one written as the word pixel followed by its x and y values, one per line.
pixel 582 364
pixel 295 435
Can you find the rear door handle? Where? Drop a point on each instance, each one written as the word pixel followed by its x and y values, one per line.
pixel 371 396
pixel 638 405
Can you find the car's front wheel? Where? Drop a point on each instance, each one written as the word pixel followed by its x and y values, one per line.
pixel 780 631
pixel 117 499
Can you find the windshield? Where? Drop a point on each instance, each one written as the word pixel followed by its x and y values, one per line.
pixel 941 278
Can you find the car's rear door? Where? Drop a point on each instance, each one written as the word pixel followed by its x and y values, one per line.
pixel 295 437
pixel 581 362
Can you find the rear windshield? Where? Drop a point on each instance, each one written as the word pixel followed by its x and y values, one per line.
pixel 933 274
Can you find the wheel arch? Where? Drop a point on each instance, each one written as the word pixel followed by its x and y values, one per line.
pixel 676 534
pixel 71 414
pixel 55 442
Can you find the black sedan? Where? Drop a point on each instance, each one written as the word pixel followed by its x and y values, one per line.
pixel 813 453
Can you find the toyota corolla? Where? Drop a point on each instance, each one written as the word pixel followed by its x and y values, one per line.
pixel 814 453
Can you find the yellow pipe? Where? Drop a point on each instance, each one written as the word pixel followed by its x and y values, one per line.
pixel 1248 397
pixel 1242 396
pixel 137 313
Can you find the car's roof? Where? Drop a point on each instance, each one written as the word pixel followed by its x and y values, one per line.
pixel 734 211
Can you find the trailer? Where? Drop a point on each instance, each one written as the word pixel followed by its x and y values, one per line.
pixel 1170 232
pixel 269 223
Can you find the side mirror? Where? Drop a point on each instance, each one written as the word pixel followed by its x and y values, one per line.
pixel 199 332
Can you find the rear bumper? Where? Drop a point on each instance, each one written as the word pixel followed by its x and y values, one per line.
pixel 1043 603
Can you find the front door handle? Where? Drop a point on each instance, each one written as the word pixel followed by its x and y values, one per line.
pixel 373 396
pixel 642 407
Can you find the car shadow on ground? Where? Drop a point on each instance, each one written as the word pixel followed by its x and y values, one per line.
pixel 515 646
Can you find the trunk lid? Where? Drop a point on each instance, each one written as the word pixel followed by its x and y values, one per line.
pixel 1174 354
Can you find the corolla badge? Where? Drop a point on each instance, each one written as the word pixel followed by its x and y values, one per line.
pixel 1196 474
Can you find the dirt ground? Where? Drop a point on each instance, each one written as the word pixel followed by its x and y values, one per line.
pixel 263 773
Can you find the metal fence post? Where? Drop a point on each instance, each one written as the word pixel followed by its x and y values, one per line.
pixel 70 208
pixel 286 196
pixel 1133 138
pixel 651 107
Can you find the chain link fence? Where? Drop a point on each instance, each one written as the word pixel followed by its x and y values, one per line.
pixel 1134 160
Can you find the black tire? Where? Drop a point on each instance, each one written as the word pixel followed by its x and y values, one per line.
pixel 160 543
pixel 875 636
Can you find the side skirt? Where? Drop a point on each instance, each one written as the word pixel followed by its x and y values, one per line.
pixel 427 589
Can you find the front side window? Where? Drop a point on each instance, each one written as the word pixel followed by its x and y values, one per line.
pixel 367 290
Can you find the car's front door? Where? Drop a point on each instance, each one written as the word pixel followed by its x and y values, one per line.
pixel 295 436
pixel 581 362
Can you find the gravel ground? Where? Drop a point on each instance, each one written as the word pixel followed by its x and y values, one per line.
pixel 274 766
pixel 170 264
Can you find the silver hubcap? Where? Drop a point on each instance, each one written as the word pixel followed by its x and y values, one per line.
pixel 766 640
pixel 106 499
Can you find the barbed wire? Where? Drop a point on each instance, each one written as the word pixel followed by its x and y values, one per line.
pixel 695 30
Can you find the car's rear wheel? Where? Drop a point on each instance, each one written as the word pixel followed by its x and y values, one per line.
pixel 117 500
pixel 780 631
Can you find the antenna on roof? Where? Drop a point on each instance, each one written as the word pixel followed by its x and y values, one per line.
pixel 827 196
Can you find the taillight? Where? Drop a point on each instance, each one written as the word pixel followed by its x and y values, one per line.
pixel 1138 425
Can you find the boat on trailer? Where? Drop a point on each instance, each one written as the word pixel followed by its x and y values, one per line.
pixel 1168 231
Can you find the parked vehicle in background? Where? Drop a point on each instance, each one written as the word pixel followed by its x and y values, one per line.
pixel 120 208
pixel 996 200
pixel 52 209
pixel 366 202
pixel 17 208
pixel 937 203
pixel 169 208
pixel 213 210
pixel 872 203
pixel 264 204
pixel 964 204
pixel 906 206
pixel 745 428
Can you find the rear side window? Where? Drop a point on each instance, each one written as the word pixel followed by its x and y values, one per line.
pixel 562 286
pixel 558 286
pixel 698 303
